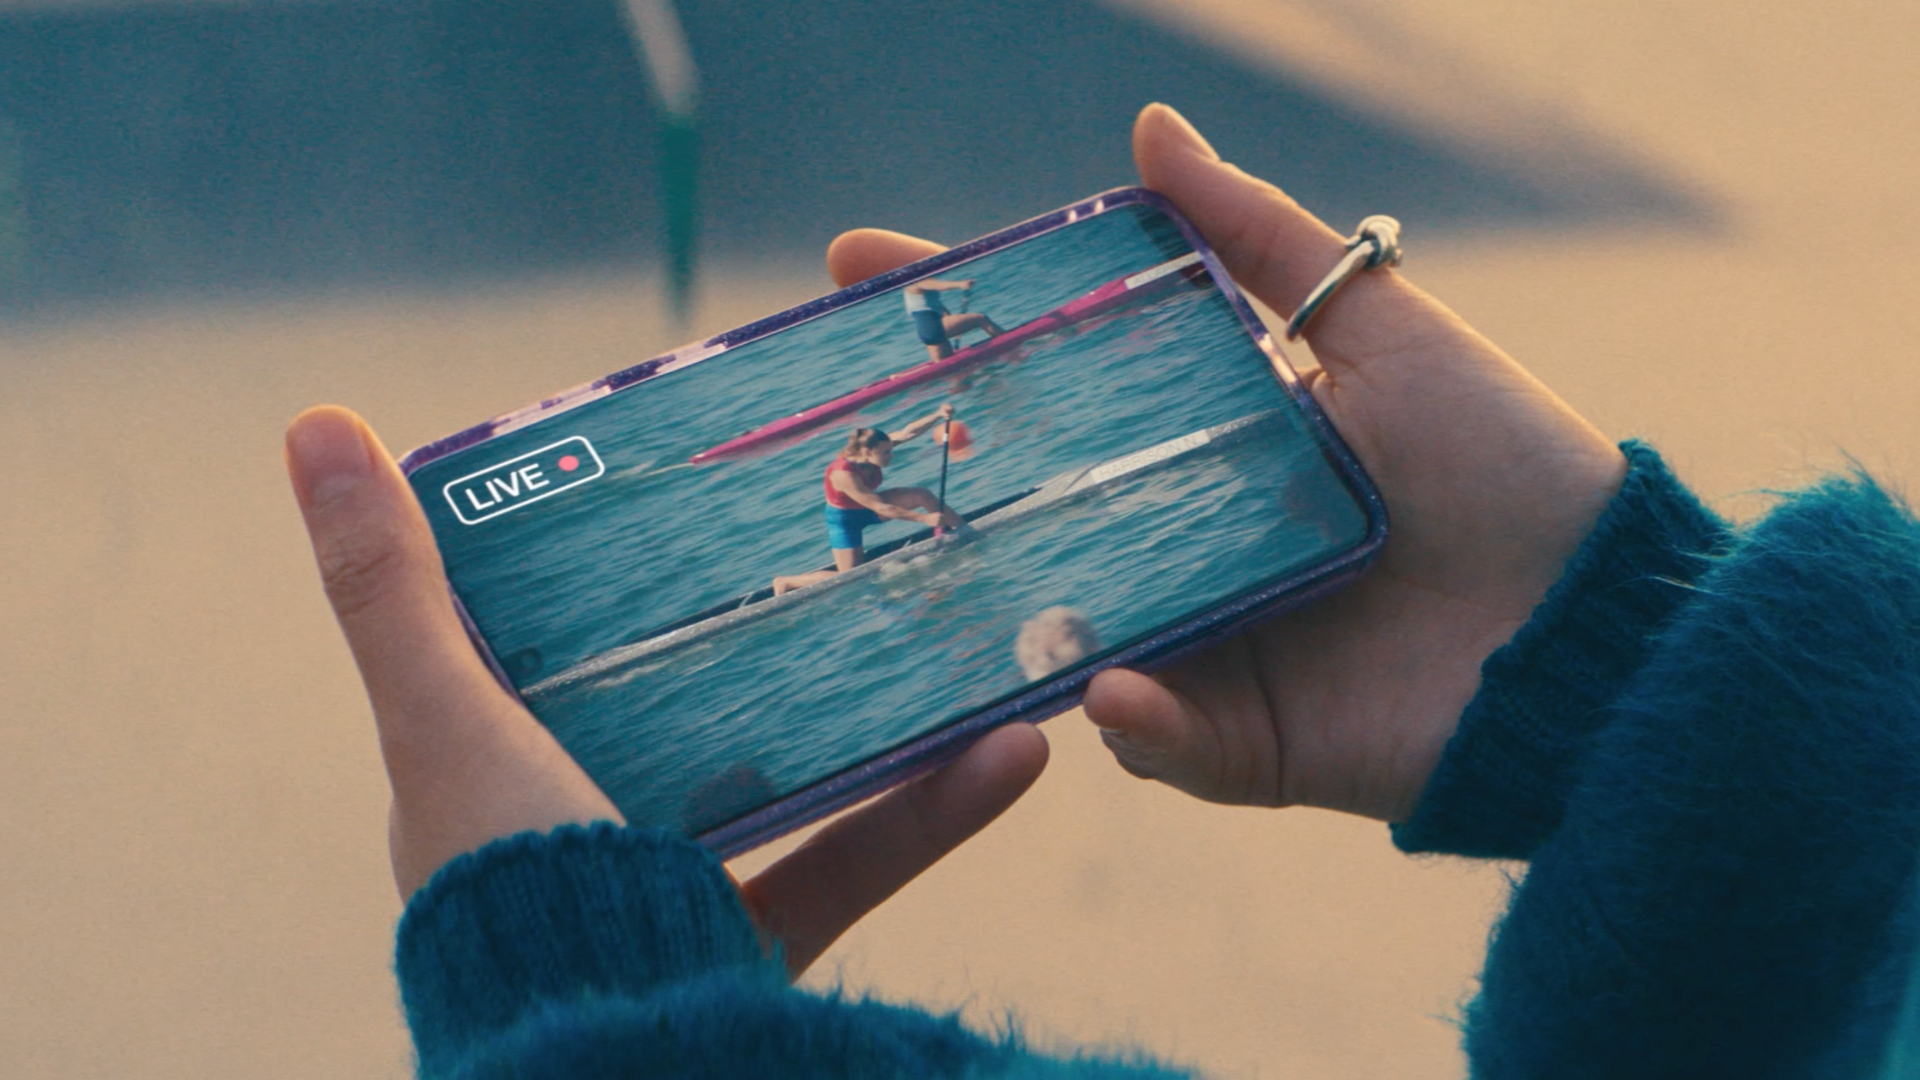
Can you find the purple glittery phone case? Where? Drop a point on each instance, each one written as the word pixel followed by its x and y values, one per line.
pixel 465 456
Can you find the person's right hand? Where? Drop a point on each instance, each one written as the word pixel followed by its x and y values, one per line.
pixel 1490 481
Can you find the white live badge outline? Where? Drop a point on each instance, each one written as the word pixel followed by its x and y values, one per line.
pixel 599 470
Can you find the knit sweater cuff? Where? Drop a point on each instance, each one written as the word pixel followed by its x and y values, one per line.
pixel 1499 789
pixel 582 912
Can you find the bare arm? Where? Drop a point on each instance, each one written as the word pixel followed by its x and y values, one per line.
pixel 914 429
pixel 849 485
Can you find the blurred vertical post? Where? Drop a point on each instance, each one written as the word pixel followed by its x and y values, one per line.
pixel 661 45
pixel 13 207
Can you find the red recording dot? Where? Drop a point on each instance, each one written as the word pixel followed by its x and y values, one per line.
pixel 569 463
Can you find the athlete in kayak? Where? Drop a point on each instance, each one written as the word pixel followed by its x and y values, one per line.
pixel 855 499
pixel 937 326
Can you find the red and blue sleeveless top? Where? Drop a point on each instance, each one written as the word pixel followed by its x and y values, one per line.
pixel 867 472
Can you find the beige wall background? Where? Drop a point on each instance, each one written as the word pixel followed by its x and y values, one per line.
pixel 192 865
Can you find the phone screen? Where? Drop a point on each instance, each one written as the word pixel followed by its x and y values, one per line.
pixel 1122 456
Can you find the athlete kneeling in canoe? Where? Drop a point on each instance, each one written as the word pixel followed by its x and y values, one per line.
pixel 855 500
pixel 936 325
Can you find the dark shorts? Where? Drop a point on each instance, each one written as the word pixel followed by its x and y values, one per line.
pixel 845 526
pixel 931 327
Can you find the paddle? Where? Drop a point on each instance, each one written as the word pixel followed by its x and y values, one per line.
pixel 946 454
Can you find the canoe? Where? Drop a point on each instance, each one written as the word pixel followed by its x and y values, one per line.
pixel 1120 292
pixel 754 606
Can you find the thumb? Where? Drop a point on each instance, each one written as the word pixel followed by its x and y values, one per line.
pixel 467 763
pixel 1279 251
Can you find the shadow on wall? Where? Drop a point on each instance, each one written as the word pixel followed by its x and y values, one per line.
pixel 156 151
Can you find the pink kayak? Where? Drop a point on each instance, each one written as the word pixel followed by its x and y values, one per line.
pixel 1134 289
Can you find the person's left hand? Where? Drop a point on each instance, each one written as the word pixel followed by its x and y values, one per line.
pixel 468 764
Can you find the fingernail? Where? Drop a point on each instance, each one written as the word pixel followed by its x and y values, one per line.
pixel 1188 135
pixel 329 456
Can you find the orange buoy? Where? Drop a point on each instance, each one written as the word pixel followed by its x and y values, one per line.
pixel 962 447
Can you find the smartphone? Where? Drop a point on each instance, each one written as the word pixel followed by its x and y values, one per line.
pixel 767 575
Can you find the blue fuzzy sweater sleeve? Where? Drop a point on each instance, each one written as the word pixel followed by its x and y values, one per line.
pixel 1707 743
pixel 1501 785
pixel 601 952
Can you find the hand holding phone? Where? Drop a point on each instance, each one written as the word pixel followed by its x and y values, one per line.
pixel 1492 482
pixel 468 764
